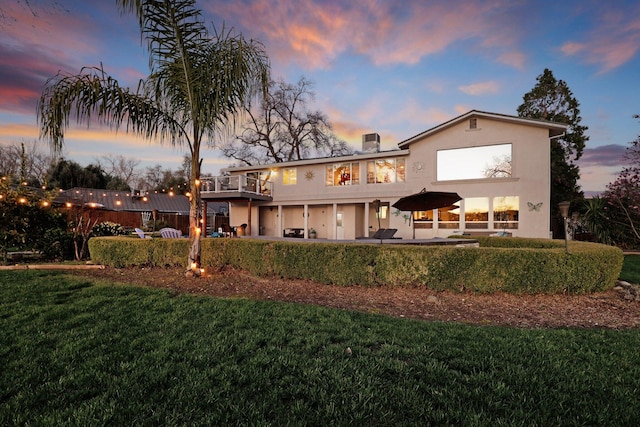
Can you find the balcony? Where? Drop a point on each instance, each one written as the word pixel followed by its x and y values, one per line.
pixel 236 187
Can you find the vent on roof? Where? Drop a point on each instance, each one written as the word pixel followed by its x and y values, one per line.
pixel 371 143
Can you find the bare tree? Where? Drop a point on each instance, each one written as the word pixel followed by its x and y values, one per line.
pixel 25 161
pixel 119 166
pixel 282 128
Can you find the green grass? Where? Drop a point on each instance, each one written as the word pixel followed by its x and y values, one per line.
pixel 78 352
pixel 631 269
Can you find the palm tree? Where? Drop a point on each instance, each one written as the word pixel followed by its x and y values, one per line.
pixel 197 85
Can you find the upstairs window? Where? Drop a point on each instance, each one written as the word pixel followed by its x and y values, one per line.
pixel 290 176
pixel 385 171
pixel 483 162
pixel 343 174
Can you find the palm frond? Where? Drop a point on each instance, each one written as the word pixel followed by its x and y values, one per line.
pixel 94 96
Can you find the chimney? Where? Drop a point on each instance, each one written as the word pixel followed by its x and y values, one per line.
pixel 371 143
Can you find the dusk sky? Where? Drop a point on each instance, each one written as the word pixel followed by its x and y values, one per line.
pixel 392 67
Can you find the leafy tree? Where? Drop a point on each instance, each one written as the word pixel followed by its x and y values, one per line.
pixel 25 215
pixel 282 128
pixel 196 86
pixel 68 174
pixel 552 100
pixel 623 197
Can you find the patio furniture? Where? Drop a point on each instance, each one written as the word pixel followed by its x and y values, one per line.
pixel 388 233
pixel 170 233
pixel 141 233
pixel 377 235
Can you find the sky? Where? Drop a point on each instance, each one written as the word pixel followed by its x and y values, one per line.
pixel 391 67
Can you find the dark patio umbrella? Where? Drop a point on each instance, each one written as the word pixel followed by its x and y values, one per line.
pixel 425 201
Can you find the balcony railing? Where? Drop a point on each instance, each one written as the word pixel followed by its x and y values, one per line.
pixel 237 183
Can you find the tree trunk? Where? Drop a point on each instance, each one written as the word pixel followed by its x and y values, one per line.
pixel 195 230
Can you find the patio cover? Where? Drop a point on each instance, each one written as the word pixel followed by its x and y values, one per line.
pixel 425 201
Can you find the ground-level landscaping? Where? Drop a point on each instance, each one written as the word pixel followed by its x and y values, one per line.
pixel 86 350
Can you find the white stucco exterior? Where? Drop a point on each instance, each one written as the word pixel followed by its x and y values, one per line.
pixel 347 212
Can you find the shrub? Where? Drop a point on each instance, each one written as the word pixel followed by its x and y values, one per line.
pixel 57 244
pixel 500 264
pixel 107 228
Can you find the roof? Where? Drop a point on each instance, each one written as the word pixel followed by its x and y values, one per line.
pixel 114 200
pixel 555 129
pixel 320 160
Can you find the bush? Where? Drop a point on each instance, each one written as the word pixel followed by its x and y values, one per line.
pixel 57 244
pixel 107 228
pixel 119 251
pixel 500 264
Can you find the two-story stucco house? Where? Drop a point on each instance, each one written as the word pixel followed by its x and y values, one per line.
pixel 498 164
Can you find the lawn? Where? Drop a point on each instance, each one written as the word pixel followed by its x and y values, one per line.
pixel 631 269
pixel 75 351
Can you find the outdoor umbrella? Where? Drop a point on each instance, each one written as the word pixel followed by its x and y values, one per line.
pixel 425 201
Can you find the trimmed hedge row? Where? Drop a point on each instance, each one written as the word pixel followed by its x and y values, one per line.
pixel 500 264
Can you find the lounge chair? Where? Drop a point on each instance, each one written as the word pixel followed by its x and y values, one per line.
pixel 378 234
pixel 170 233
pixel 141 234
pixel 388 233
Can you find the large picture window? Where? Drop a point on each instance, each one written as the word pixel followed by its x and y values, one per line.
pixel 289 176
pixel 385 171
pixel 506 212
pixel 490 161
pixel 343 174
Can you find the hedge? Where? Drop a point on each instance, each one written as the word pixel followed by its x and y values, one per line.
pixel 513 265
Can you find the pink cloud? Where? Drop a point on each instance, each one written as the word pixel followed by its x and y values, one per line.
pixel 481 88
pixel 513 59
pixel 614 41
pixel 314 33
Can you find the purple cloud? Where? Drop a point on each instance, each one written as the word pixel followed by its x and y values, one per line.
pixel 606 155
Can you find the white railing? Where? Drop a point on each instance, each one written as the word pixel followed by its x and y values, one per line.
pixel 235 183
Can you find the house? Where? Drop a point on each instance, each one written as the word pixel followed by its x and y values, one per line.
pixel 498 164
pixel 133 209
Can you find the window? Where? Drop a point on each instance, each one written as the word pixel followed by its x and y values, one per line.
pixel 489 161
pixel 473 123
pixel 423 218
pixel 506 211
pixel 289 177
pixel 385 171
pixel 449 217
pixel 476 212
pixel 343 174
